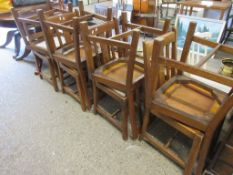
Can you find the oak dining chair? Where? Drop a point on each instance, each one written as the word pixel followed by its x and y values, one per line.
pixel 173 95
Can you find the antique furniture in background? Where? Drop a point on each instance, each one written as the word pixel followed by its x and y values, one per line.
pixel 187 7
pixel 102 10
pixel 8 21
pixel 166 84
pixel 145 12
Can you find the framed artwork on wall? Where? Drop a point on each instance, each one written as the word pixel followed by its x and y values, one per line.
pixel 210 29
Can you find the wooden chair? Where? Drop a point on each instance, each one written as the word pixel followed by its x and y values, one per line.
pixel 188 105
pixel 29 26
pixel 71 60
pixel 118 76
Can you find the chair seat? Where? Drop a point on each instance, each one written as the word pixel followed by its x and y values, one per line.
pixel 68 57
pixel 190 99
pixel 116 71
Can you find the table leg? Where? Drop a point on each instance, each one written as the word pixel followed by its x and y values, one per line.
pixel 9 38
pixel 25 54
pixel 17 38
pixel 27 51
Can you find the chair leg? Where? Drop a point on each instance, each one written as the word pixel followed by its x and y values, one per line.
pixel 81 94
pixel 146 120
pixel 132 115
pixel 61 75
pixel 52 73
pixel 197 140
pixel 95 96
pixel 85 91
pixel 38 63
pixel 139 107
pixel 203 154
pixel 124 120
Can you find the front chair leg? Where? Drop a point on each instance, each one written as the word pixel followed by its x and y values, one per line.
pixel 52 73
pixel 203 154
pixel 124 120
pixel 146 120
pixel 132 115
pixel 197 140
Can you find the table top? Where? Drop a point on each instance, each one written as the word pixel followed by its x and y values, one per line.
pixel 217 5
pixel 6 17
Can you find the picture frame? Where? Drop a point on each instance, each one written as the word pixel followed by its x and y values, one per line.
pixel 203 28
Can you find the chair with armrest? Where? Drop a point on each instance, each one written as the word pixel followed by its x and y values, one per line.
pixel 190 106
pixel 118 76
pixel 28 24
pixel 70 56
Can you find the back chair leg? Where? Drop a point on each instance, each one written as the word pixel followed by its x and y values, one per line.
pixel 61 75
pixel 95 96
pixel 85 93
pixel 80 92
pixel 52 73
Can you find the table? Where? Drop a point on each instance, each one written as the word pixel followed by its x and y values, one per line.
pixel 7 21
pixel 206 5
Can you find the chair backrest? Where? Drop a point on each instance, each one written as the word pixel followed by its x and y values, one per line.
pixel 64 28
pixel 150 30
pixel 106 30
pixel 58 30
pixel 28 23
pixel 161 57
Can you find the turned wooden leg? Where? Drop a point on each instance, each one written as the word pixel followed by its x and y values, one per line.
pixel 17 38
pixel 9 38
pixel 25 54
pixel 27 50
